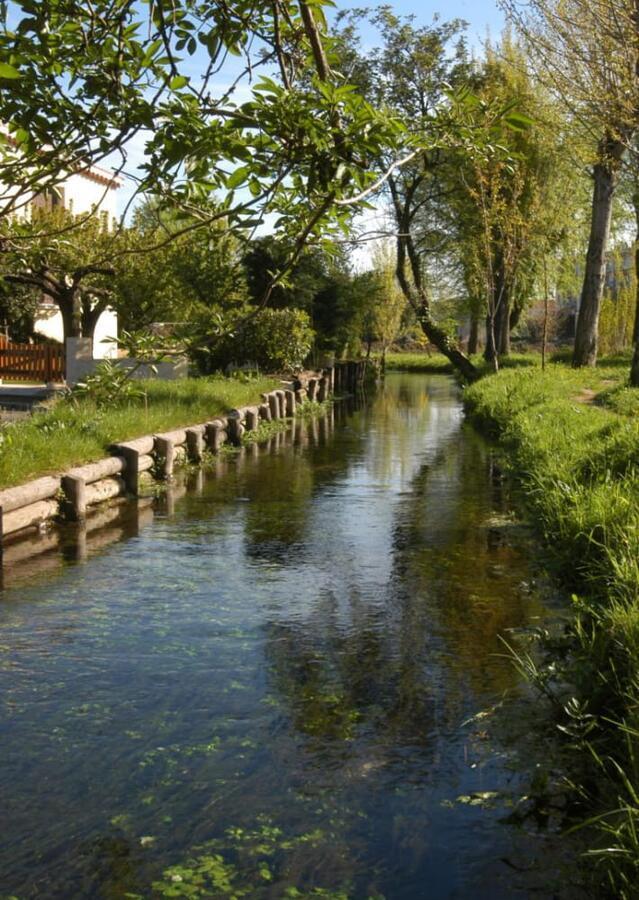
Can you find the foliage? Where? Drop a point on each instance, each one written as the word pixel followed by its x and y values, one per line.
pixel 516 210
pixel 261 855
pixel 618 308
pixel 587 54
pixel 418 362
pixel 301 284
pixel 108 384
pixel 274 340
pixel 113 382
pixel 301 141
pixel 166 270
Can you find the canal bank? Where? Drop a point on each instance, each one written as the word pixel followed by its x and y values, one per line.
pixel 289 682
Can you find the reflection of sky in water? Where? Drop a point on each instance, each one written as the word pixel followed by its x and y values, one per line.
pixel 294 648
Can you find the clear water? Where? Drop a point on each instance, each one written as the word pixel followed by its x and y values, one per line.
pixel 263 691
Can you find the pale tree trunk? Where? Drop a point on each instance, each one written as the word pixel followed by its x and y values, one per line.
pixel 605 176
pixel 634 369
pixel 544 337
pixel 473 337
pixel 503 324
pixel 490 350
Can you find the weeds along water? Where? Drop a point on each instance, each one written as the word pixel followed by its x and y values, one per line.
pixel 572 439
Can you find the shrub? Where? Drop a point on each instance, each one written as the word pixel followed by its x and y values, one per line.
pixel 275 340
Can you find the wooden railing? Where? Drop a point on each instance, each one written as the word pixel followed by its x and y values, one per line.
pixel 31 362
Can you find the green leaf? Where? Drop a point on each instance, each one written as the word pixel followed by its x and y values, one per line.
pixel 238 177
pixel 519 121
pixel 178 82
pixel 7 71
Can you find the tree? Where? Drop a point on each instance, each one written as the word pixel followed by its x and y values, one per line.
pixel 388 302
pixel 83 81
pixel 516 205
pixel 589 54
pixel 69 269
pixel 417 74
pixel 191 269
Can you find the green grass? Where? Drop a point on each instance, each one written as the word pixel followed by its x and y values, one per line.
pixel 418 362
pixel 72 434
pixel 437 363
pixel 572 438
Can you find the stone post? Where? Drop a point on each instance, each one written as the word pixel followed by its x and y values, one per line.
pixel 164 452
pixel 215 435
pixel 274 405
pixel 195 443
pixel 74 505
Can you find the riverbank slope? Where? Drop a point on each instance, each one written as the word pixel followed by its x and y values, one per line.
pixel 80 431
pixel 572 439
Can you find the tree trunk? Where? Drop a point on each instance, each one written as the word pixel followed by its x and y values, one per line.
pixel 490 350
pixel 442 341
pixel 418 300
pixel 634 368
pixel 71 319
pixel 587 331
pixel 473 337
pixel 90 316
pixel 635 330
pixel 502 322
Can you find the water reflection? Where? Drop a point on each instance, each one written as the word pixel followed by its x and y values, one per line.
pixel 264 685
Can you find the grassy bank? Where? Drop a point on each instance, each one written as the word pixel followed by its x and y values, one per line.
pixel 71 434
pixel 438 364
pixel 572 438
pixel 418 362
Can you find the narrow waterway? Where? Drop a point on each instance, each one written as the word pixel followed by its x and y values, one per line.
pixel 268 690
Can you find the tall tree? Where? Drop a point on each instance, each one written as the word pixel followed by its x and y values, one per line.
pixel 509 205
pixel 589 53
pixel 411 72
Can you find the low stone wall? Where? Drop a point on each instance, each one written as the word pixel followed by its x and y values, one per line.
pixel 74 494
pixel 80 363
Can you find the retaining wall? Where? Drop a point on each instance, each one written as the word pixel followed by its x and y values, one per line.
pixel 72 495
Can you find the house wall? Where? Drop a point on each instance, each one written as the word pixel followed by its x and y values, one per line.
pixel 49 324
pixel 82 194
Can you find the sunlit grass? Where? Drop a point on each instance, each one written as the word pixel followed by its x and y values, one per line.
pixel 572 437
pixel 72 434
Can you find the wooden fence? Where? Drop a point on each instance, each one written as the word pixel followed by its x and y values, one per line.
pixel 31 362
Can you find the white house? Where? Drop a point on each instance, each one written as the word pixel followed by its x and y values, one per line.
pixel 91 190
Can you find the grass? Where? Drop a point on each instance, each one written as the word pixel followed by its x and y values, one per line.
pixel 438 364
pixel 418 362
pixel 572 438
pixel 71 434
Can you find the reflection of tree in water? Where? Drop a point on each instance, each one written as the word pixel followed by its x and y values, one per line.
pixel 281 491
pixel 422 653
pixel 464 565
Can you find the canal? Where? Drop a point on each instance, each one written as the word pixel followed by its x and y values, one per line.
pixel 290 683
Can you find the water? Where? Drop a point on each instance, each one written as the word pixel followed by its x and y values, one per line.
pixel 264 690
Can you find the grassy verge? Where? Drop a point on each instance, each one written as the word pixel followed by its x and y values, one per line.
pixel 437 364
pixel 72 434
pixel 418 362
pixel 572 438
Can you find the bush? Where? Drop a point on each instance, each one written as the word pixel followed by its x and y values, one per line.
pixel 274 340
